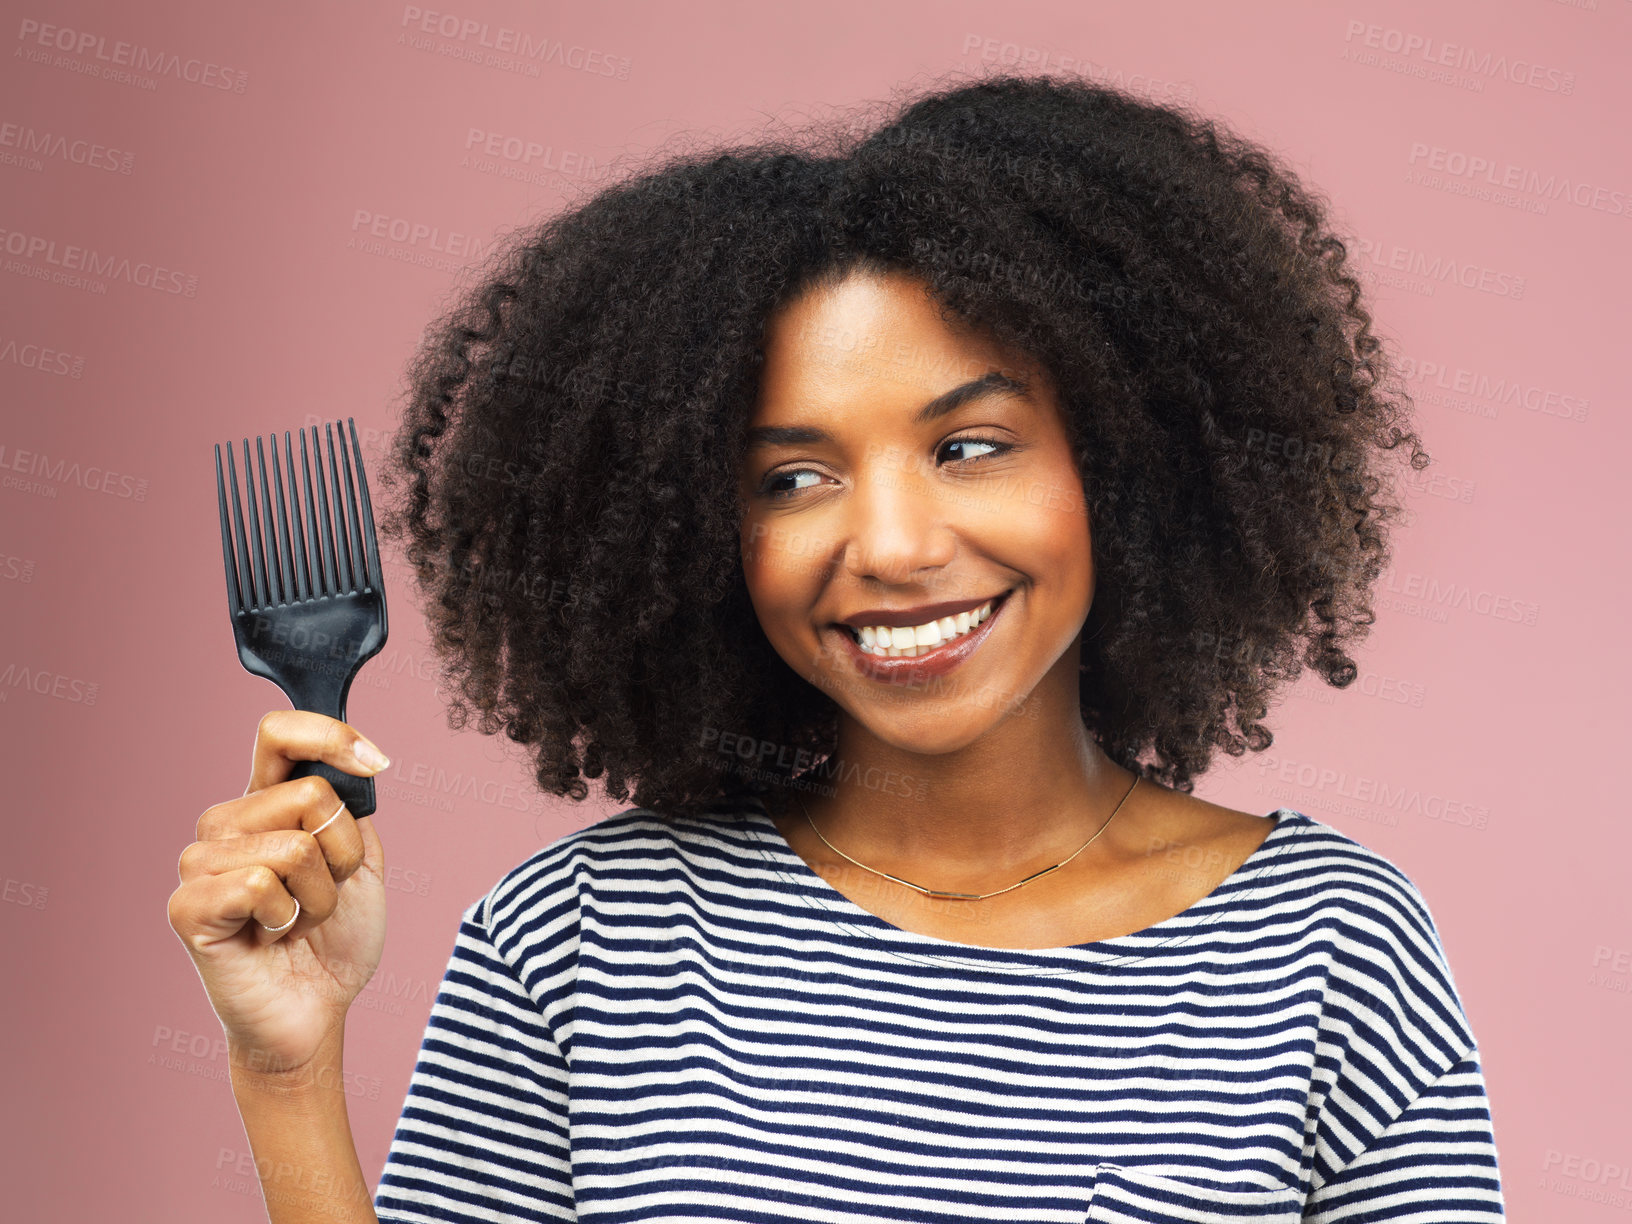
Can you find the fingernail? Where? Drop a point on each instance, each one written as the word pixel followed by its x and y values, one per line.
pixel 368 755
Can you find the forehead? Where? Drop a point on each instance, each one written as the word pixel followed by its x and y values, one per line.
pixel 883 330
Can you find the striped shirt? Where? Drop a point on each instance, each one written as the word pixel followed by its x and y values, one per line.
pixel 666 1020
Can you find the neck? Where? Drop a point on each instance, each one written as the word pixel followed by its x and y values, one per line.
pixel 1023 796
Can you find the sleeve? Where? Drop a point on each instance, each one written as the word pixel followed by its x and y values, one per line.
pixel 1403 1131
pixel 1436 1161
pixel 483 1137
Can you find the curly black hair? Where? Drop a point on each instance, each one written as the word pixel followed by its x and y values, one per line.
pixel 567 462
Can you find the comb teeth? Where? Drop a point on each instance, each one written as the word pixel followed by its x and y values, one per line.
pixel 286 558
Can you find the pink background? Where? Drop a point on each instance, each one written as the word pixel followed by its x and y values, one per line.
pixel 1470 752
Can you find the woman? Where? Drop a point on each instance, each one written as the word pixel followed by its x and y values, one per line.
pixel 906 518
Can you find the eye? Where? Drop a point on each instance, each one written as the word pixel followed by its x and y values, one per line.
pixel 998 448
pixel 778 494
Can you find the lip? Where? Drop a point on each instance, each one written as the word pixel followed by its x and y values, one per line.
pixel 911 618
pixel 937 662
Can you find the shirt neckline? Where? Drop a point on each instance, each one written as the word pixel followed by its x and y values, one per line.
pixel 814 891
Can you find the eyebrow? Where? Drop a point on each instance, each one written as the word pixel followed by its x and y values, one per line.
pixel 994 382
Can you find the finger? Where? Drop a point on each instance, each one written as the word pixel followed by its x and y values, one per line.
pixel 307 804
pixel 286 737
pixel 213 909
pixel 293 855
pixel 373 852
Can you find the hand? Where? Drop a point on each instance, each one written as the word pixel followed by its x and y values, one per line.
pixel 279 996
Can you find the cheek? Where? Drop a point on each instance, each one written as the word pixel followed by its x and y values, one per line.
pixel 783 562
pixel 756 547
pixel 1047 537
pixel 1050 526
pixel 770 574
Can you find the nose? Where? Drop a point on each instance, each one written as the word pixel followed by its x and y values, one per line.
pixel 897 525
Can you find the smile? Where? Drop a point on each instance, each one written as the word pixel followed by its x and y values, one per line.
pixel 912 641
pixel 947 643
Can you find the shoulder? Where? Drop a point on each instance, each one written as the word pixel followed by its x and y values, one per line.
pixel 550 873
pixel 526 928
pixel 628 870
pixel 1327 895
pixel 1363 892
pixel 629 851
pixel 1347 885
pixel 1389 982
pixel 1392 1021
pixel 1361 898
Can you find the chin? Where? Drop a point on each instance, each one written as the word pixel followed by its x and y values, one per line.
pixel 933 727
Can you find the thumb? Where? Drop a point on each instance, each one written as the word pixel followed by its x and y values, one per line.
pixel 373 852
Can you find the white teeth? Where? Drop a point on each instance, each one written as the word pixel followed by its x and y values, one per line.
pixel 912 641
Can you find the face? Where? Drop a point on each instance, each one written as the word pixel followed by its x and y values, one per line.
pixel 900 469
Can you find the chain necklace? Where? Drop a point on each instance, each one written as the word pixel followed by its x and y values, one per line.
pixel 960 896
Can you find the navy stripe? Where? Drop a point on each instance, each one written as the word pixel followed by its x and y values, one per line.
pixel 679 1020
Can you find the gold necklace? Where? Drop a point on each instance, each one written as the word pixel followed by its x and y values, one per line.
pixel 959 896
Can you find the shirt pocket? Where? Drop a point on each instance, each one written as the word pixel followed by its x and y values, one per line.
pixel 1131 1196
